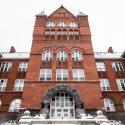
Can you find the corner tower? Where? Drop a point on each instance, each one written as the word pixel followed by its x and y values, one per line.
pixel 62 75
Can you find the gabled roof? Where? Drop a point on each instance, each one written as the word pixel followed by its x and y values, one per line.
pixel 61 9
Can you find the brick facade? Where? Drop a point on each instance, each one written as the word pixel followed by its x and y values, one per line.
pixel 34 90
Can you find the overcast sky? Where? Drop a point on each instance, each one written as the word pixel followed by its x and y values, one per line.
pixel 106 19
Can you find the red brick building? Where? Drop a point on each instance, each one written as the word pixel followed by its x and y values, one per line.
pixel 62 73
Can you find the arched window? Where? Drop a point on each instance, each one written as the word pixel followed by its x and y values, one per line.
pixel 76 55
pixel 70 32
pixel 64 32
pixel 61 24
pixel 59 32
pixel 52 32
pixel 51 24
pixel 47 55
pixel 109 105
pixel 15 105
pixel 124 104
pixel 62 55
pixel 73 24
pixel 47 32
pixel 76 32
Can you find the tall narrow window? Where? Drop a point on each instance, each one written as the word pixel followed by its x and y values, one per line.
pixel 62 74
pixel 104 83
pixel 76 55
pixel 78 74
pixel 45 74
pixel 22 67
pixel 100 66
pixel 47 55
pixel 121 84
pixel 124 104
pixel 62 55
pixel 117 66
pixel 5 66
pixel 14 105
pixel 3 83
pixel 19 84
pixel 109 105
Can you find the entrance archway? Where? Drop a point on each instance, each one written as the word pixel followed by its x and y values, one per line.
pixel 62 100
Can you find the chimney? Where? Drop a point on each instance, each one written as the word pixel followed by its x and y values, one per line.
pixel 110 50
pixel 12 49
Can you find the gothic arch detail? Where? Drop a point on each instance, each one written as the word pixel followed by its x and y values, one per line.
pixel 62 88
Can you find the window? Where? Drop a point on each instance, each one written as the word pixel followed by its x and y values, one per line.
pixel 76 32
pixel 22 67
pixel 45 74
pixel 73 24
pixel 76 55
pixel 47 55
pixel 70 32
pixel 19 84
pixel 62 74
pixel 15 105
pixel 100 66
pixel 51 24
pixel 47 32
pixel 62 55
pixel 3 83
pixel 109 105
pixel 61 24
pixel 124 104
pixel 121 84
pixel 117 66
pixel 5 66
pixel 52 32
pixel 78 74
pixel 104 83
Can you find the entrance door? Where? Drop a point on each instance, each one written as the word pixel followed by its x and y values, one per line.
pixel 62 106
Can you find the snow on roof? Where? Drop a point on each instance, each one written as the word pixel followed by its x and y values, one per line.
pixel 25 55
pixel 106 55
pixel 17 55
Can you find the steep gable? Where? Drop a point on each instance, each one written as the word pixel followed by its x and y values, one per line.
pixel 61 12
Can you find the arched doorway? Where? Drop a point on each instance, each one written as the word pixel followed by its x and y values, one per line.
pixel 62 100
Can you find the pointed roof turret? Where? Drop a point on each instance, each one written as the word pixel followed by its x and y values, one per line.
pixel 41 14
pixel 81 14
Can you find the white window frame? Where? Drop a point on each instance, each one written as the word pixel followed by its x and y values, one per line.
pixel 62 74
pixel 72 24
pixel 124 104
pixel 105 86
pixel 61 24
pixel 121 84
pixel 5 66
pixel 3 84
pixel 19 84
pixel 47 55
pixel 62 55
pixel 109 105
pixel 45 75
pixel 22 66
pixel 100 66
pixel 78 74
pixel 15 105
pixel 51 24
pixel 117 66
pixel 77 55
